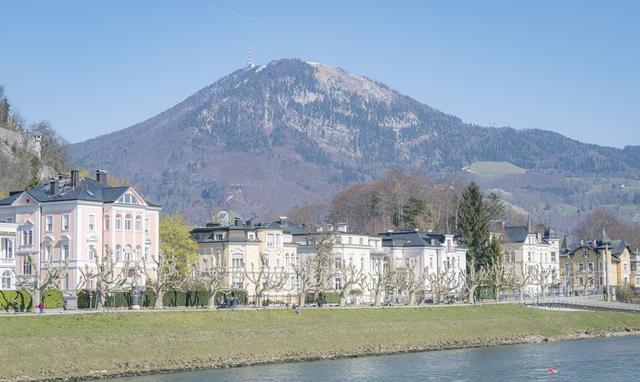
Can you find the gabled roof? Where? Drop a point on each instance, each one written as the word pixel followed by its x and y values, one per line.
pixel 412 238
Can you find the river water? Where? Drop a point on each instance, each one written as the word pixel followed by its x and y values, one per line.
pixel 603 359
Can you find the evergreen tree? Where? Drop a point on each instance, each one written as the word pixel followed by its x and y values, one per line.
pixel 473 225
pixel 495 206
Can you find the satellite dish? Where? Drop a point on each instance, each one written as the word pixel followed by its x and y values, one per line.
pixel 223 217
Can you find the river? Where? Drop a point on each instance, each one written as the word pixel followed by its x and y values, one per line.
pixel 602 359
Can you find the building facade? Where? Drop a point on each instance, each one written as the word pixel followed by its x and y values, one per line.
pixel 245 249
pixel 536 254
pixel 433 257
pixel 8 232
pixel 76 220
pixel 587 268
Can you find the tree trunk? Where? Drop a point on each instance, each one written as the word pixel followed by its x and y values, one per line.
pixel 36 296
pixel 497 294
pixel 377 298
pixel 472 295
pixel 412 298
pixel 343 299
pixel 521 295
pixel 211 301
pixel 301 298
pixel 258 300
pixel 158 304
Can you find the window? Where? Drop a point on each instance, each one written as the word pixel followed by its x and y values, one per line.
pixel 106 222
pixel 625 267
pixel 27 237
pixel 278 261
pixel 6 248
pixel 350 239
pixel 92 222
pixel 362 263
pixel 219 236
pixel 118 222
pixel 251 236
pixel 49 223
pixel 237 260
pixel 286 260
pixel 270 240
pixel 128 199
pixel 65 251
pixel 7 280
pixel 591 267
pixel 580 267
pixel 127 253
pixel 92 252
pixel 127 222
pixel 65 222
pixel 338 263
pixel 530 257
pixel 361 241
pixel 136 253
pixel 9 220
pixel 553 257
pixel 138 224
pixel 26 266
pixel 338 283
pixel 118 252
pixel 146 253
pixel 279 240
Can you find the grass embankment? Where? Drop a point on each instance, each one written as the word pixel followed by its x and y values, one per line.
pixel 115 343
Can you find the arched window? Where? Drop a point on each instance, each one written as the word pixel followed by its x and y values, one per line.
pixel 106 223
pixel 7 280
pixel 127 223
pixel 118 222
pixel 362 263
pixel 136 253
pixel 146 253
pixel 286 260
pixel 47 249
pixel 118 252
pixel 138 224
pixel 64 249
pixel 127 253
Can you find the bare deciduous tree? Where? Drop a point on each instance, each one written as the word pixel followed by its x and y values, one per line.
pixel 350 275
pixel 161 274
pixel 471 280
pixel 210 275
pixel 519 279
pixel 441 283
pixel 411 282
pixel 305 278
pixel 376 282
pixel 42 279
pixel 264 279
pixel 497 276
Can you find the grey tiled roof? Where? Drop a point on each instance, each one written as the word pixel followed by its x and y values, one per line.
pixel 88 189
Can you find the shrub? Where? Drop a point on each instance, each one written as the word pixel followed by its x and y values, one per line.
pixel 626 294
pixel 52 299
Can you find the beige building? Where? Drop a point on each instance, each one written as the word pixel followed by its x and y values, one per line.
pixel 354 255
pixel 536 254
pixel 586 268
pixel 244 249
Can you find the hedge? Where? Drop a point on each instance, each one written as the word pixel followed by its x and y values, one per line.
pixel 52 299
pixel 325 298
pixel 173 299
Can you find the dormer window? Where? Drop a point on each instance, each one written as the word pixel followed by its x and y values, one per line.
pixel 128 198
pixel 219 236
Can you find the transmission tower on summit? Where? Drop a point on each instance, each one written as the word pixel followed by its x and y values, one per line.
pixel 250 58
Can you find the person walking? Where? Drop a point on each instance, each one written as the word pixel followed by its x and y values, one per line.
pixel 14 304
pixel 41 307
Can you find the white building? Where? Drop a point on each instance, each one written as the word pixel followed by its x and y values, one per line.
pixel 8 232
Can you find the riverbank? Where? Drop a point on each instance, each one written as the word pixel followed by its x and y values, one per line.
pixel 112 344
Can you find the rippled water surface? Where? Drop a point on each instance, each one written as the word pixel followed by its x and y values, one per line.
pixel 603 359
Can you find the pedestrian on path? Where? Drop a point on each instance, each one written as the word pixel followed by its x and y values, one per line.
pixel 41 307
pixel 14 304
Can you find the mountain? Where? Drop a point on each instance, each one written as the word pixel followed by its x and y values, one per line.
pixel 266 138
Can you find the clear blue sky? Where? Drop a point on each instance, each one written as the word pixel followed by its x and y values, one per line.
pixel 95 67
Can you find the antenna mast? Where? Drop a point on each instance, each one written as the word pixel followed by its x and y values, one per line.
pixel 250 58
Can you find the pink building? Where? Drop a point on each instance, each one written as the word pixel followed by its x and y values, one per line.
pixel 76 219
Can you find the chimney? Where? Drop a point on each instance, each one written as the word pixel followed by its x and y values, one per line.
pixel 75 178
pixel 101 176
pixel 283 220
pixel 236 221
pixel 53 186
pixel 342 227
